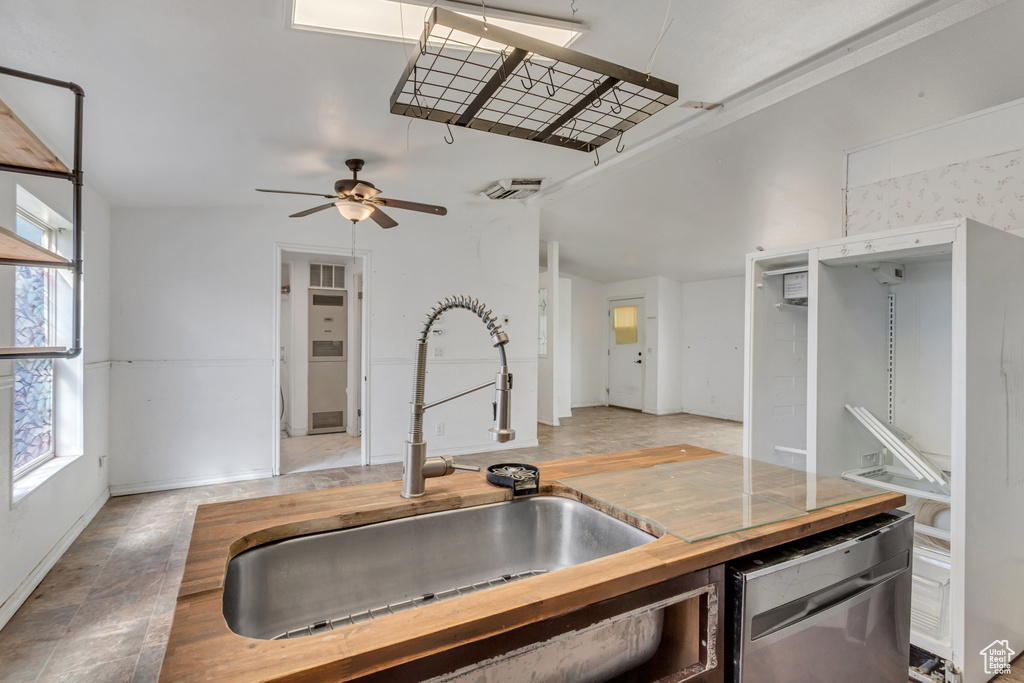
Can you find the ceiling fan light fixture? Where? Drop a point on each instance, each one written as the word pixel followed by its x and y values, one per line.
pixel 353 211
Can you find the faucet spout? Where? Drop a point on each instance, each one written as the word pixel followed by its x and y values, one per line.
pixel 418 467
pixel 501 431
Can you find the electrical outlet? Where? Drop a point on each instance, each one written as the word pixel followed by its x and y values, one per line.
pixel 438 352
pixel 439 429
pixel 870 460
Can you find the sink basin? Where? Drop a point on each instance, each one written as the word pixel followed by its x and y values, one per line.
pixel 307 585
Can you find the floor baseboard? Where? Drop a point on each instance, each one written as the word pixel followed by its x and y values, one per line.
pixel 23 591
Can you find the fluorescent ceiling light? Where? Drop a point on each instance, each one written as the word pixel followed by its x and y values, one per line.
pixel 393 20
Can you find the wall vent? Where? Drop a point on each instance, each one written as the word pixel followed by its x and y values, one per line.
pixel 512 188
pixel 326 276
pixel 328 420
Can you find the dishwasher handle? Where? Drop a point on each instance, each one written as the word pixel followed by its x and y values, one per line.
pixel 794 612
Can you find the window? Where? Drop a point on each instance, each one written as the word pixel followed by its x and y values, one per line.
pixel 624 323
pixel 34 290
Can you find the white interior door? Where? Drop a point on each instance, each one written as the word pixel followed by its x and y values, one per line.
pixel 626 353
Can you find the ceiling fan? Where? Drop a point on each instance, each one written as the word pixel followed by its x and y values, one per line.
pixel 357 200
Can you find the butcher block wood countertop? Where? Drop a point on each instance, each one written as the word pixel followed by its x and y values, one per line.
pixel 203 648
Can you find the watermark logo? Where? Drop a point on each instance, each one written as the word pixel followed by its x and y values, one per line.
pixel 998 656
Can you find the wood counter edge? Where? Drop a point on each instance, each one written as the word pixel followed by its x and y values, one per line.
pixel 202 646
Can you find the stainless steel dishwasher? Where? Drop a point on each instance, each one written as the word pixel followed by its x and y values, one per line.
pixel 834 607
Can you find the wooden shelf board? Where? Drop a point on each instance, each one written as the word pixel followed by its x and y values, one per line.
pixel 14 246
pixel 20 147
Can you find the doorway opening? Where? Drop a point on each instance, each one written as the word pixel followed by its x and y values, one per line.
pixel 320 367
pixel 626 353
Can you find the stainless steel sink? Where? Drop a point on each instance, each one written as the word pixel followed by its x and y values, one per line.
pixel 306 585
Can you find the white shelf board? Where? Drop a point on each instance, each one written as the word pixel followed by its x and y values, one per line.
pixel 933 531
pixel 784 271
pixel 900 481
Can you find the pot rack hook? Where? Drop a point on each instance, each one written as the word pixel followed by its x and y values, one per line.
pixel 450 134
pixel 597 160
pixel 596 102
pixel 617 107
pixel 526 68
pixel 619 147
pixel 551 77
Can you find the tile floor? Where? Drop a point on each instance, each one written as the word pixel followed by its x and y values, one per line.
pixel 103 613
pixel 319 452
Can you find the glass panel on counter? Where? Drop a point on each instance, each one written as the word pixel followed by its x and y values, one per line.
pixel 796 488
pixel 684 505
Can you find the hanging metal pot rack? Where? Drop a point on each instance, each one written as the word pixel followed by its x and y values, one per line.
pixel 477 75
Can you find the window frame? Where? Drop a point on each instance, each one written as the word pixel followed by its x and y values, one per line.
pixel 49 241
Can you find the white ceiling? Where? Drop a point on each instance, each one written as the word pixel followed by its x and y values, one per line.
pixel 195 103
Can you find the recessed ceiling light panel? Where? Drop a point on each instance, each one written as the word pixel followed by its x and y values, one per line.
pixel 404 21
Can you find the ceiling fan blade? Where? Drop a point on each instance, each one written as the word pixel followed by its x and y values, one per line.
pixel 311 194
pixel 365 191
pixel 300 214
pixel 382 219
pixel 413 206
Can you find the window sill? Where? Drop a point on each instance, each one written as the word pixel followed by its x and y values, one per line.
pixel 37 477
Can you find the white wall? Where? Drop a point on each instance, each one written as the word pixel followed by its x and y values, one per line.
pixel 546 363
pixel 589 343
pixel 194 290
pixel 672 322
pixel 712 348
pixel 694 349
pixel 965 168
pixel 563 377
pixel 37 528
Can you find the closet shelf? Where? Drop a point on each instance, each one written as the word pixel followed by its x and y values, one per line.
pixel 20 147
pixel 16 250
pixel 898 480
pixel 783 271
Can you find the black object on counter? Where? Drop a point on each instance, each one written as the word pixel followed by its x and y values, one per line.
pixel 523 479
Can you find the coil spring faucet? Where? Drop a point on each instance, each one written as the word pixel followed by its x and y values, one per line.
pixel 418 467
